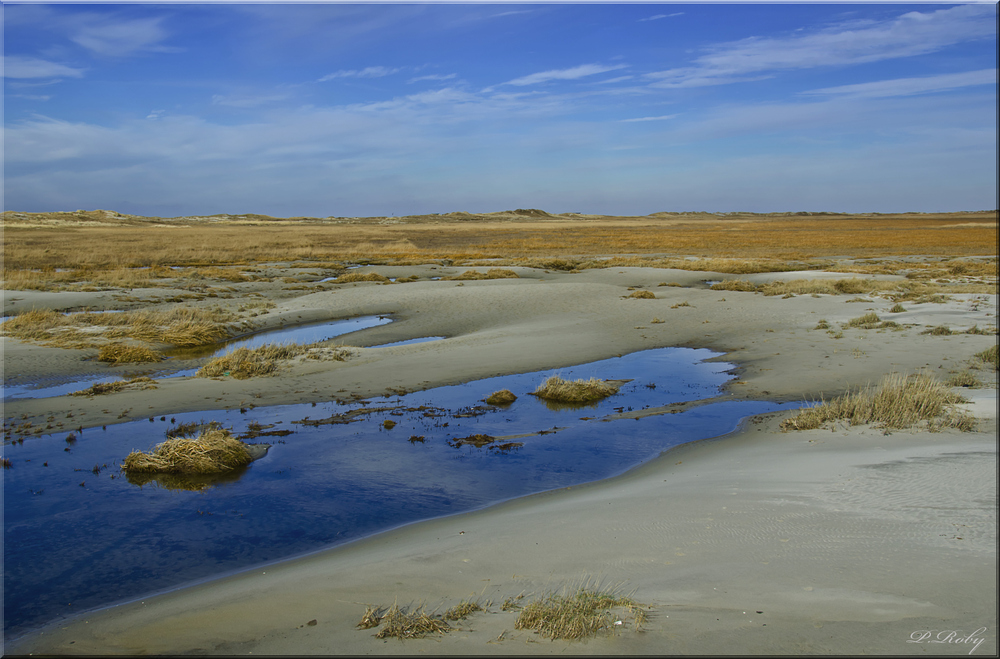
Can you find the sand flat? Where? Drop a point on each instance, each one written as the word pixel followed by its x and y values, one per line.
pixel 846 541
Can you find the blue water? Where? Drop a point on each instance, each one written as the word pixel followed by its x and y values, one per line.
pixel 75 539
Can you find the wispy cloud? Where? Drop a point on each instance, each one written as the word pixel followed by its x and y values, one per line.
pixel 910 34
pixel 433 76
pixel 659 17
pixel 236 101
pixel 113 37
pixel 574 73
pixel 368 72
pixel 660 118
pixel 15 66
pixel 911 86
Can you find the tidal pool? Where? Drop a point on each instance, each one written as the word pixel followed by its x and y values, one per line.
pixel 79 535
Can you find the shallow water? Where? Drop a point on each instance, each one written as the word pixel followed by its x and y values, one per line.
pixel 76 539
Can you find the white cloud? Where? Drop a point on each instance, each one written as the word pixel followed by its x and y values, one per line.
pixel 911 86
pixel 660 118
pixel 574 73
pixel 434 76
pixel 15 66
pixel 914 33
pixel 368 72
pixel 106 36
pixel 660 16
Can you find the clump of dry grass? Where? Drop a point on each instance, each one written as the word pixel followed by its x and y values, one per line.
pixel 586 612
pixel 940 330
pixel 988 357
pixel 478 440
pixel 119 353
pixel 492 273
pixel 897 308
pixel 101 388
pixel 400 624
pixel 868 321
pixel 244 363
pixel 577 391
pixel 462 610
pixel 213 451
pixel 641 295
pixel 898 401
pixel 964 378
pixel 735 285
pixel 349 277
pixel 502 397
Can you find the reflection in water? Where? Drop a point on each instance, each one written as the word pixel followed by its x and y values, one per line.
pixel 88 536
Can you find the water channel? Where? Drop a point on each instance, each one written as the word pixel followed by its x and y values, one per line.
pixel 79 534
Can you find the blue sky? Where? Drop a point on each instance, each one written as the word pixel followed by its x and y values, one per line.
pixel 380 109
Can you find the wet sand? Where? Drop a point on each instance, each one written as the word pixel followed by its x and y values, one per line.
pixel 837 542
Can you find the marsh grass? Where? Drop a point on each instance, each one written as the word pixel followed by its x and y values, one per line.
pixel 641 295
pixel 492 273
pixel 501 397
pixel 735 285
pixel 244 363
pixel 397 623
pixel 142 382
pixel 965 378
pixel 586 612
pixel 462 610
pixel 350 277
pixel 898 401
pixel 897 308
pixel 940 330
pixel 215 450
pixel 988 357
pixel 868 321
pixel 119 353
pixel 559 390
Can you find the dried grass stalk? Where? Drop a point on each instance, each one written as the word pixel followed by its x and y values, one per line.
pixel 502 397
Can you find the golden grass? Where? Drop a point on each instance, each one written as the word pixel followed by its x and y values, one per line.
pixel 868 321
pixel 641 295
pixel 898 401
pixel 989 357
pixel 179 326
pixel 559 390
pixel 101 388
pixel 397 623
pixel 119 353
pixel 492 273
pixel 244 363
pixel 587 612
pixel 213 451
pixel 501 397
pixel 360 276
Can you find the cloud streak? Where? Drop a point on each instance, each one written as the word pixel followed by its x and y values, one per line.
pixel 367 72
pixel 574 73
pixel 911 34
pixel 15 66
pixel 911 86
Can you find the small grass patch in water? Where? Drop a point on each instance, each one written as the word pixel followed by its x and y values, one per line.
pixel 898 401
pixel 559 390
pixel 502 397
pixel 244 363
pixel 213 451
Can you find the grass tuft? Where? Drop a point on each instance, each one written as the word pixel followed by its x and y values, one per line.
pixel 101 388
pixel 502 397
pixel 400 624
pixel 899 401
pixel 492 273
pixel 244 363
pixel 215 450
pixel 965 378
pixel 940 330
pixel 735 285
pixel 360 276
pixel 641 295
pixel 586 612
pixel 577 391
pixel 897 308
pixel 988 357
pixel 869 321
pixel 120 353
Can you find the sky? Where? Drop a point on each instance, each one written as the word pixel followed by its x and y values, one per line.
pixel 377 109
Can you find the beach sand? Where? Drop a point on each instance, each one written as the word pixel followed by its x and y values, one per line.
pixel 836 541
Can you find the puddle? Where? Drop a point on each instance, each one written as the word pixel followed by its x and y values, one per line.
pixel 309 333
pixel 423 339
pixel 334 473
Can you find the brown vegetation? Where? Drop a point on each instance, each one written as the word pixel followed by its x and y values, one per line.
pixel 899 401
pixel 559 390
pixel 586 612
pixel 213 451
pixel 502 397
pixel 119 353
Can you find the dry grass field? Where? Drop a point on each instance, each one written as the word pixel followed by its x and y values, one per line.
pixel 100 244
